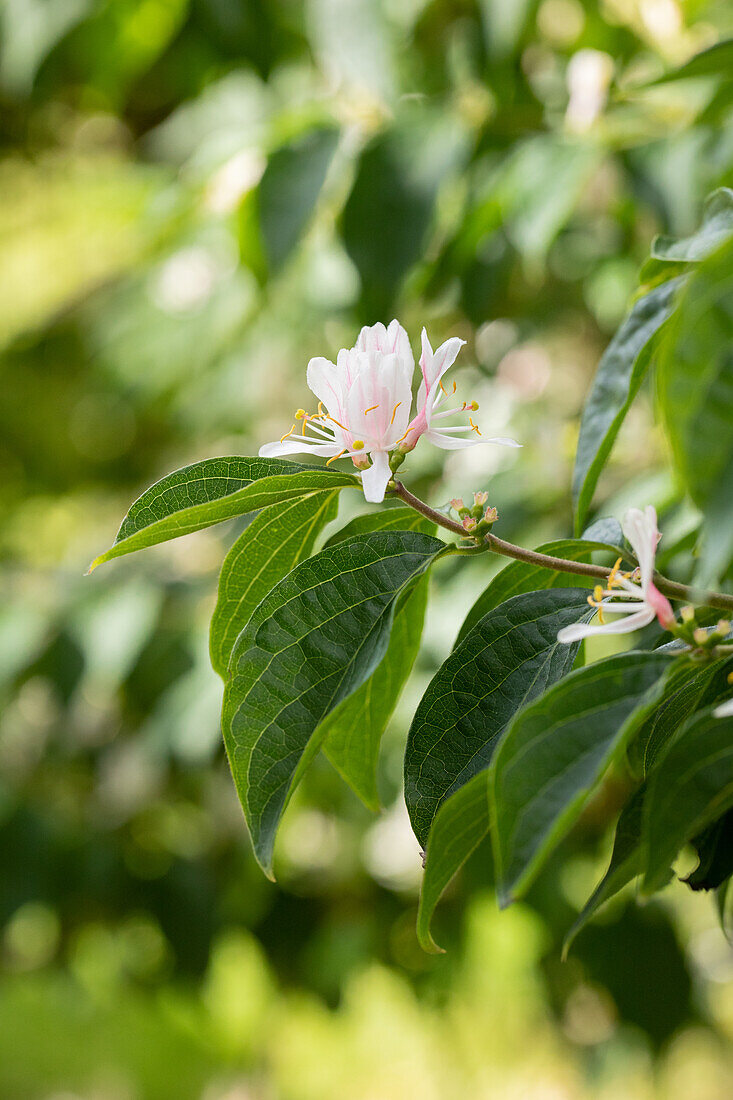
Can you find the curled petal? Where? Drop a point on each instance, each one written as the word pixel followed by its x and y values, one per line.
pixel 297 447
pixel 625 625
pixel 374 480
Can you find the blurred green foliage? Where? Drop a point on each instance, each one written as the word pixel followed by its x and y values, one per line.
pixel 196 197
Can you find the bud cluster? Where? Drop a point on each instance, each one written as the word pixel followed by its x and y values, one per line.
pixel 478 520
pixel 702 639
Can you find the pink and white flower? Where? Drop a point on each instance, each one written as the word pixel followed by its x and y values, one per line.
pixel 364 404
pixel 431 396
pixel 633 596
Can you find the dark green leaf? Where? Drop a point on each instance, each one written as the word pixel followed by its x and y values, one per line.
pixel 459 826
pixel 556 751
pixel 269 547
pixel 620 373
pixel 714 847
pixel 216 489
pixel 686 684
pixel 390 208
pixel 691 786
pixel 383 519
pixel 519 576
pixel 313 640
pixel 509 657
pixel 696 394
pixel 353 731
pixel 626 863
pixel 289 189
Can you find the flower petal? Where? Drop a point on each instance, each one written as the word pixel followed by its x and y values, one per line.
pixel 374 480
pixel 297 447
pixel 725 710
pixel 625 625
pixel 326 381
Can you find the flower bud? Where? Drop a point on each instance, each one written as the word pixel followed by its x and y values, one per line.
pixel 723 627
pixel 457 503
pixel 700 636
pixel 688 614
pixel 469 523
pixel 480 498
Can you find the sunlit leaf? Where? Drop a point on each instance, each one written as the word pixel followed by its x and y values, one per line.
pixel 216 489
pixel 620 374
pixel 695 379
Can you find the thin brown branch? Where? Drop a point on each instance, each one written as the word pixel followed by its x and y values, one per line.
pixel 670 588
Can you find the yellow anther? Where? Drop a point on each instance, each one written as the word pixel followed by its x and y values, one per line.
pixel 613 579
pixel 730 677
pixel 474 427
pixel 334 457
pixel 343 429
pixel 287 434
pixel 440 383
pixel 394 412
pixel 598 593
pixel 301 414
pixel 601 620
pixel 370 409
pixel 473 405
pixel 357 445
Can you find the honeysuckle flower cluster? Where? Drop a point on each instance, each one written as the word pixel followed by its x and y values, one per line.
pixel 632 596
pixel 365 402
pixel 476 521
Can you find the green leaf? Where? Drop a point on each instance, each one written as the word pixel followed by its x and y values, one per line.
pixel 383 519
pixel 626 863
pixel 289 190
pixel 459 826
pixel 695 379
pixel 269 547
pixel 353 731
pixel 314 639
pixel 509 657
pixel 556 751
pixel 716 228
pixel 519 576
pixel 685 686
pixel 216 489
pixel 714 847
pixel 620 373
pixel 388 213
pixel 690 788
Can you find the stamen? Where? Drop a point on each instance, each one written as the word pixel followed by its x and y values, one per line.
pixel 301 414
pixel 613 579
pixel 343 429
pixel 334 457
pixel 357 445
pixel 598 593
pixel 474 427
pixel 394 412
pixel 287 434
pixel 370 409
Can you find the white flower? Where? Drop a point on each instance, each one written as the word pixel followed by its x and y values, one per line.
pixel 367 398
pixel 367 395
pixel 725 710
pixel 643 601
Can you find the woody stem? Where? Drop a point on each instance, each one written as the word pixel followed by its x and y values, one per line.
pixel 669 588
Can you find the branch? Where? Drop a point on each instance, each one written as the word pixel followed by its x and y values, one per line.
pixel 582 569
